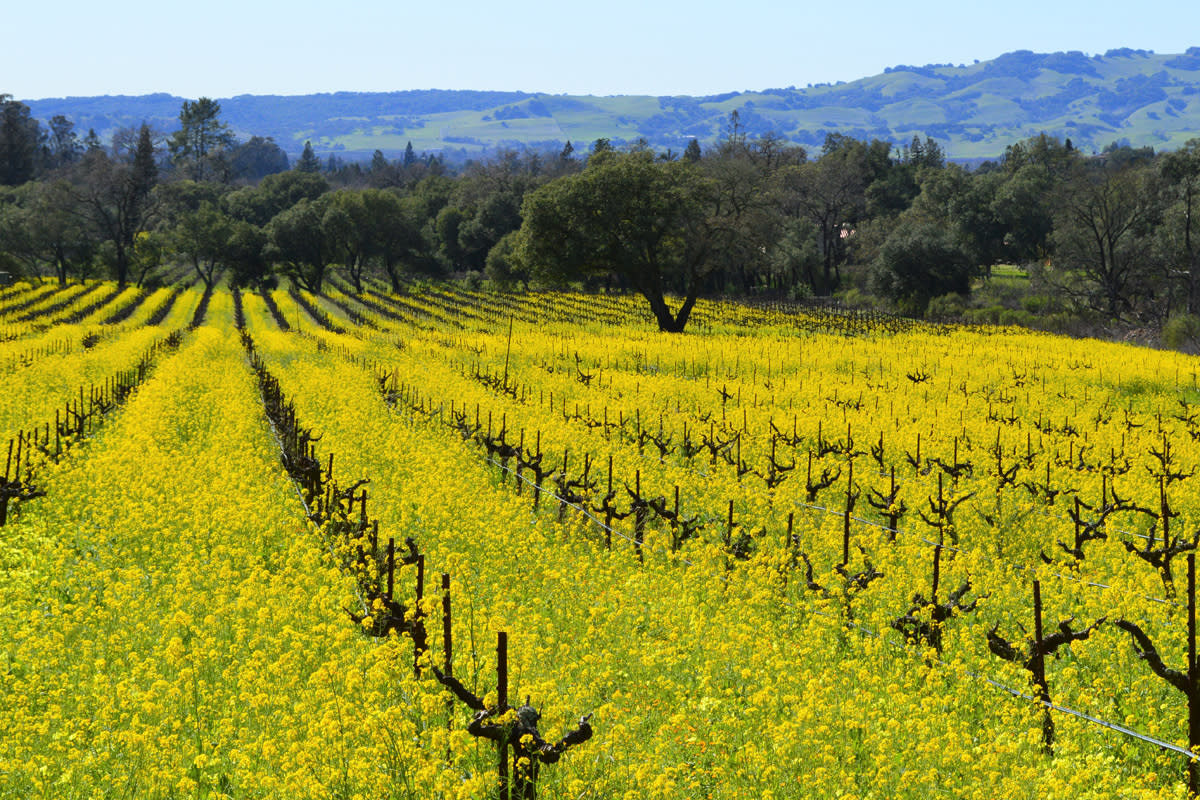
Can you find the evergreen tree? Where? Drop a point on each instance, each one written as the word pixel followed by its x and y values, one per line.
pixel 20 141
pixel 308 160
pixel 382 173
pixel 692 151
pixel 145 168
pixel 199 145
pixel 257 158
pixel 62 145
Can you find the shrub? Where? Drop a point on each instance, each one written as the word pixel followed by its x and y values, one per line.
pixel 989 315
pixel 855 298
pixel 946 307
pixel 1182 332
pixel 919 262
pixel 799 292
pixel 1036 304
pixel 1010 316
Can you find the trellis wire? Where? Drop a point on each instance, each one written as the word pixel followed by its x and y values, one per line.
pixel 979 676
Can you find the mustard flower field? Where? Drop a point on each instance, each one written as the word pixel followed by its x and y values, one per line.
pixel 449 544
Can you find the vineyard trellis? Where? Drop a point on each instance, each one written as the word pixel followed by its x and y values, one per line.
pixel 660 465
pixel 521 749
pixel 500 452
pixel 74 422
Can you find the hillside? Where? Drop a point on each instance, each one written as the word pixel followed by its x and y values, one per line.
pixel 974 111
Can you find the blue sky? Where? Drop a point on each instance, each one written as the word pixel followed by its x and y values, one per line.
pixel 223 48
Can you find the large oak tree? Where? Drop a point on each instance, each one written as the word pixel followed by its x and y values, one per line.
pixel 629 215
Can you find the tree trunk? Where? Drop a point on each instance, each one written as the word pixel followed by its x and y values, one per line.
pixel 122 266
pixel 669 322
pixel 60 265
pixel 389 266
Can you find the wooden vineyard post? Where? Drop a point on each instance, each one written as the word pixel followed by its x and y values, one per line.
pixel 514 730
pixel 937 573
pixel 640 512
pixel 1033 657
pixel 536 466
pixel 915 627
pixel 447 652
pixel 846 516
pixel 675 522
pixel 447 640
pixel 562 502
pixel 1193 771
pixel 501 708
pixel 1038 668
pixel 391 566
pixel 418 616
pixel 507 350
pixel 935 625
pixel 4 495
pixel 520 460
pixel 608 511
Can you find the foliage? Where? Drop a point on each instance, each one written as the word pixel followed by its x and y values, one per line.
pixel 628 215
pixel 752 215
pixel 200 147
pixel 113 198
pixel 1105 217
pixel 921 261
pixel 20 142
pixel 308 162
pixel 504 265
pixel 256 158
pixel 1182 332
pixel 298 240
pixel 946 308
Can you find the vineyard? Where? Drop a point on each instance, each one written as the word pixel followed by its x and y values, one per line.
pixel 448 544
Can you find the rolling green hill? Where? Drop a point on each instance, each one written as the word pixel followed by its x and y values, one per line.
pixel 974 111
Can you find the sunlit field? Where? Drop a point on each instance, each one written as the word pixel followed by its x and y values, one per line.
pixel 789 553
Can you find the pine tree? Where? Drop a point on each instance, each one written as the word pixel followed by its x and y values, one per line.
pixel 63 143
pixel 145 168
pixel 202 137
pixel 20 141
pixel 308 160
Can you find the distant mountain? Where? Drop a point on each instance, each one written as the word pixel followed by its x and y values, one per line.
pixel 1133 96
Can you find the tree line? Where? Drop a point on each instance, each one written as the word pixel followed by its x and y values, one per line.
pixel 1111 235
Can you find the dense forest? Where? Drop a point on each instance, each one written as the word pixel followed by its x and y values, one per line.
pixel 1101 240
